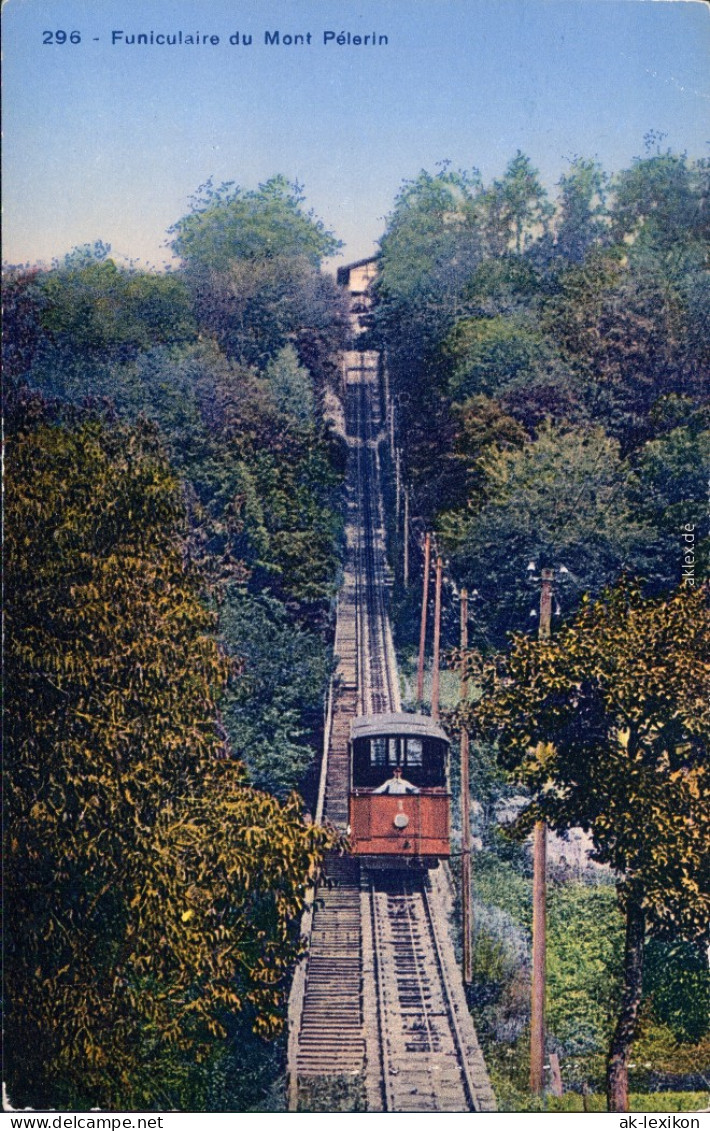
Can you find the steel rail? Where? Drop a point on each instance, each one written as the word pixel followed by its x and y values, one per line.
pixel 424 1056
pixel 374 999
pixel 379 691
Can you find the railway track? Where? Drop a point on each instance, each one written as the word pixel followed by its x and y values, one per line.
pixel 425 1059
pixel 379 684
pixel 379 1005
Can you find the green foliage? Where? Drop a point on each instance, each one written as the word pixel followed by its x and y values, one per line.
pixel 573 313
pixel 500 884
pixel 488 354
pixel 332 1094
pixel 269 484
pixel 655 200
pixel 252 262
pixel 156 895
pixel 677 980
pixel 608 725
pixel 509 1073
pixel 255 308
pixel 562 498
pixel 584 970
pixel 431 246
pixel 264 484
pixel 299 489
pixel 21 315
pixel 670 489
pixel 584 965
pixel 582 210
pixel 432 225
pixel 655 1102
pixel 227 224
pixel 500 995
pixel 482 428
pixel 242 1072
pixel 503 285
pixel 662 1058
pixel 600 316
pixel 629 322
pixel 584 952
pixel 274 709
pixel 96 306
pixel 507 358
pixel 159 894
pixel 291 385
pixel 515 207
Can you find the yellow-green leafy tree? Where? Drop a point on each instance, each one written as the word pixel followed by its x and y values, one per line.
pixel 608 725
pixel 151 894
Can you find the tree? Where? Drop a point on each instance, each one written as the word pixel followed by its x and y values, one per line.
pixel 274 708
pixel 153 895
pixel 252 308
pixel 608 725
pixel 228 224
pixel 656 201
pixel 582 211
pixel 516 207
pixel 561 499
pixel 295 505
pixel 508 358
pixel 291 386
pixel 431 247
pixel 677 980
pixel 93 306
pixel 22 328
pixel 482 427
pixel 252 261
pixel 486 355
pixel 669 491
pixel 632 318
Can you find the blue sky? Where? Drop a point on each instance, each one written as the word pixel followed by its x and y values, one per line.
pixel 109 141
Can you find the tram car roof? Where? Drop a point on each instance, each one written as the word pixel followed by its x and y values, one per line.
pixel 399 722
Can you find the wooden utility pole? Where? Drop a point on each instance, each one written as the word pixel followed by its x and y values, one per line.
pixel 398 483
pixel 422 630
pixel 389 411
pixel 406 537
pixel 547 576
pixel 537 1014
pixel 388 406
pixel 539 923
pixel 466 902
pixel 437 640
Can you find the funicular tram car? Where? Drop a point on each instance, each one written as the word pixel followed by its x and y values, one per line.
pixel 399 788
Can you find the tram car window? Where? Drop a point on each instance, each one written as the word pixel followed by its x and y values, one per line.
pixel 399 795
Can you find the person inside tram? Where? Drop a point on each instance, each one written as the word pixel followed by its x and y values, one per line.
pixel 396 784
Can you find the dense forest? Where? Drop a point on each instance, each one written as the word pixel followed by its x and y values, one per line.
pixel 174 528
pixel 550 368
pixel 174 536
pixel 549 362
